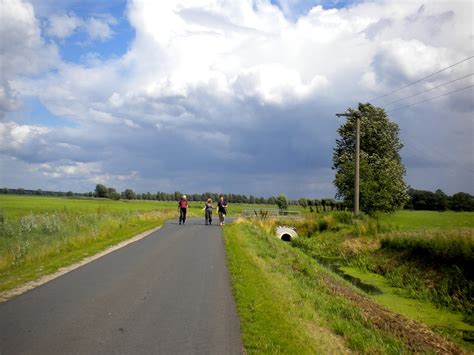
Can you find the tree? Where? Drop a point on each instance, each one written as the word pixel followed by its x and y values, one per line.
pixel 382 187
pixel 282 202
pixel 462 202
pixel 129 194
pixel 100 190
pixel 303 202
pixel 441 200
pixel 114 195
pixel 316 204
pixel 323 204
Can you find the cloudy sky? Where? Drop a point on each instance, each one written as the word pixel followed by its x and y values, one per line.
pixel 225 95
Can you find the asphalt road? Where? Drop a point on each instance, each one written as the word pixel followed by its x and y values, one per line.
pixel 168 293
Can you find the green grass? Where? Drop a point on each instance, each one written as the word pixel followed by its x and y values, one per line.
pixel 425 256
pixel 442 246
pixel 39 235
pixel 450 324
pixel 416 220
pixel 284 305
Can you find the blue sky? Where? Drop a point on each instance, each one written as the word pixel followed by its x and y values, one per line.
pixel 227 96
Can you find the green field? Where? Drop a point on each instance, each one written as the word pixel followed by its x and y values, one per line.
pixel 416 220
pixel 19 205
pixel 38 234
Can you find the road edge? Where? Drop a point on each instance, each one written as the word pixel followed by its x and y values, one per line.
pixel 8 295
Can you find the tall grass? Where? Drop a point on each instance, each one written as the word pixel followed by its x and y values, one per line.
pixel 434 265
pixel 444 246
pixel 35 236
pixel 40 235
pixel 428 264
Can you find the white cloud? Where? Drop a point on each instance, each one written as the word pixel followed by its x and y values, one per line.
pixel 62 26
pixel 14 136
pixel 68 170
pixel 275 83
pixel 99 28
pixel 65 25
pixel 22 50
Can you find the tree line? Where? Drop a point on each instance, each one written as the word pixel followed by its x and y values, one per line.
pixel 418 199
pixel 439 201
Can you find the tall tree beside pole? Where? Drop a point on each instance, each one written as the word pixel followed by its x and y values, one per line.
pixel 382 187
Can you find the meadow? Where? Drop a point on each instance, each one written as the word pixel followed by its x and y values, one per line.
pixel 426 220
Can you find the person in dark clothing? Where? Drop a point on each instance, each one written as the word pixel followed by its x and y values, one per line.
pixel 208 211
pixel 222 210
pixel 182 209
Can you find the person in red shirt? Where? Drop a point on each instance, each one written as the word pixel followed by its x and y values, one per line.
pixel 182 209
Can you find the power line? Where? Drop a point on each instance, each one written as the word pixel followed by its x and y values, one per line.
pixel 417 81
pixel 422 92
pixel 418 145
pixel 432 98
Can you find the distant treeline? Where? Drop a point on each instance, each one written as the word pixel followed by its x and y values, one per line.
pixel 419 199
pixel 439 201
pixel 102 191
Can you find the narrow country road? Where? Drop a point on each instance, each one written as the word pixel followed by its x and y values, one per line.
pixel 168 293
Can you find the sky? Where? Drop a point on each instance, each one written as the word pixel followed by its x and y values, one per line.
pixel 227 96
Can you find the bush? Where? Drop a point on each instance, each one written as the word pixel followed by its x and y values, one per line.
pixel 344 217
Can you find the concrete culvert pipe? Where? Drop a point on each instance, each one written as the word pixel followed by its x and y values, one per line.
pixel 286 233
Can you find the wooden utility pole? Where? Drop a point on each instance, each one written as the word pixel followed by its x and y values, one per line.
pixel 356 157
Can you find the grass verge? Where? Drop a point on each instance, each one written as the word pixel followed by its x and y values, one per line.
pixel 286 305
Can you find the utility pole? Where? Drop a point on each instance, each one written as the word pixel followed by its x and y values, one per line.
pixel 356 157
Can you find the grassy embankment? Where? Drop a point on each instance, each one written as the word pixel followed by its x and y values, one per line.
pixel 415 264
pixel 430 262
pixel 423 271
pixel 39 235
pixel 285 304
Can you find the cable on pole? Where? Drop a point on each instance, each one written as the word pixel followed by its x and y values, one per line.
pixel 422 92
pixel 417 81
pixel 432 98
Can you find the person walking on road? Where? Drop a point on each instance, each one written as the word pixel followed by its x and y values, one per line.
pixel 222 210
pixel 208 211
pixel 182 209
